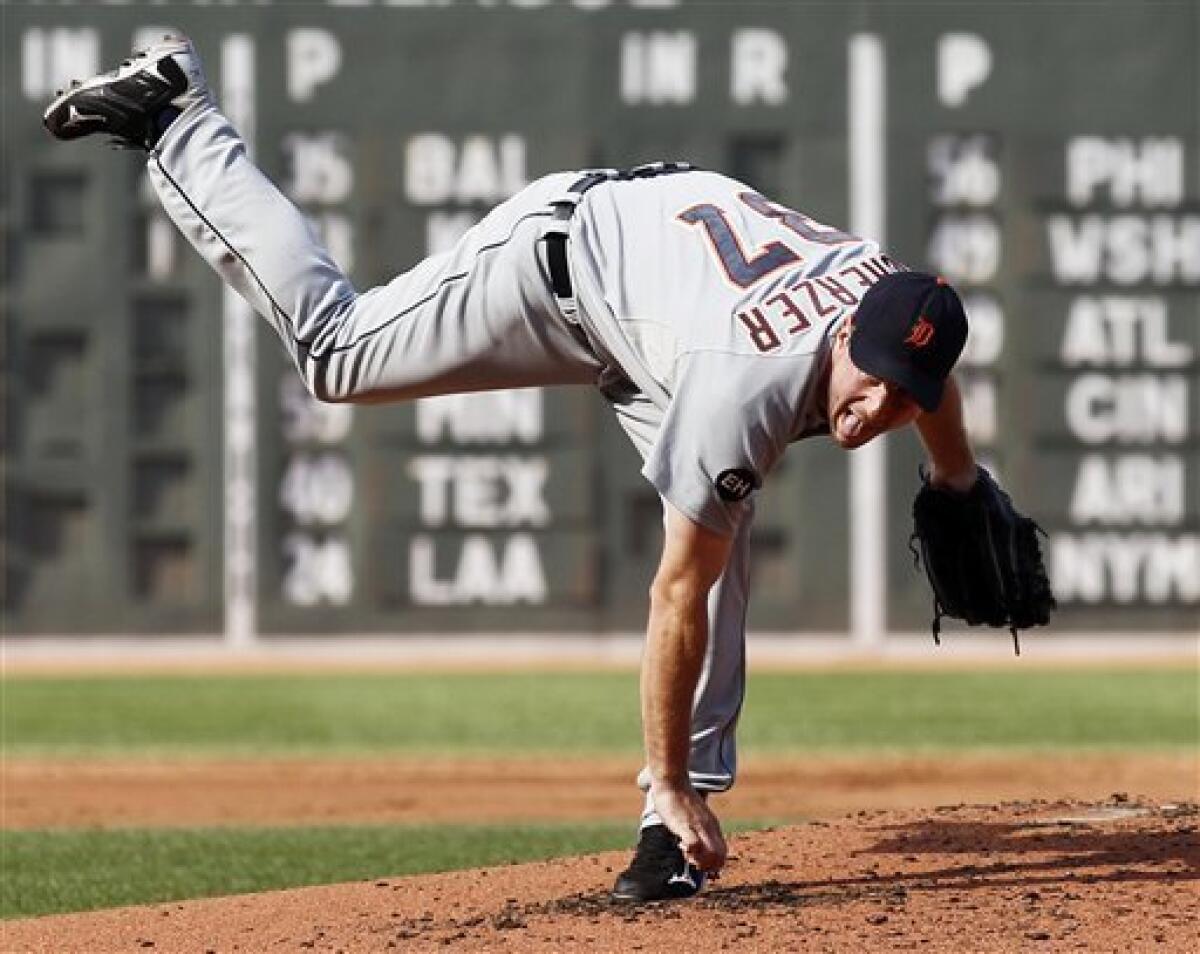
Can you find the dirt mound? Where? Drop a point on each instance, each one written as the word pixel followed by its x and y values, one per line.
pixel 1018 876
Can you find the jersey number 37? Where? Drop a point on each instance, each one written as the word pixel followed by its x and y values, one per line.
pixel 745 270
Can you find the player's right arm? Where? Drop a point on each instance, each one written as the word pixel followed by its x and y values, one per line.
pixel 676 639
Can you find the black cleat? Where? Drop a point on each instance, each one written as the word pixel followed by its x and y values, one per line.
pixel 658 872
pixel 124 103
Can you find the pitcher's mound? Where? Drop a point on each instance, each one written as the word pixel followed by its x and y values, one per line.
pixel 1118 877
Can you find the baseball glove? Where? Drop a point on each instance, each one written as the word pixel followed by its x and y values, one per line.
pixel 981 556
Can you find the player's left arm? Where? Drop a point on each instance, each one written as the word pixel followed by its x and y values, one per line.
pixel 951 460
pixel 980 553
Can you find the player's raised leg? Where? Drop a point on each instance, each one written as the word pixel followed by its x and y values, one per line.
pixel 481 316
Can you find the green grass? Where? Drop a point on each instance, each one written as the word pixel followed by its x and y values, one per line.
pixel 52 871
pixel 581 714
pixel 573 714
pixel 1009 709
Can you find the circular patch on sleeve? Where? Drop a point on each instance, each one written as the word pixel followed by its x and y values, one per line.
pixel 736 484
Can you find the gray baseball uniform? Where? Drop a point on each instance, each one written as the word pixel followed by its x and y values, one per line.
pixel 700 309
pixel 717 304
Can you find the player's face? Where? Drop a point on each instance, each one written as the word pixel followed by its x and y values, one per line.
pixel 862 406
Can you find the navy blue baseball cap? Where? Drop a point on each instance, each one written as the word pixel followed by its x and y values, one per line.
pixel 909 329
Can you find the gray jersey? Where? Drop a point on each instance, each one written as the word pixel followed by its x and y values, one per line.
pixel 711 323
pixel 717 304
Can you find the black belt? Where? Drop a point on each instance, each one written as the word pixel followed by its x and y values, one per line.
pixel 556 241
pixel 556 261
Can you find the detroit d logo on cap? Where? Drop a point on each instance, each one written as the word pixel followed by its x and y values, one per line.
pixel 921 333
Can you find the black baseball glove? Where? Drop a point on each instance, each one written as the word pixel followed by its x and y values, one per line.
pixel 981 556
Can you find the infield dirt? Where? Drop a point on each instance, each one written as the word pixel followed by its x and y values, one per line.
pixel 1029 876
pixel 44 793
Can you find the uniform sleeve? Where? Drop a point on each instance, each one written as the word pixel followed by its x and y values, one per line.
pixel 730 420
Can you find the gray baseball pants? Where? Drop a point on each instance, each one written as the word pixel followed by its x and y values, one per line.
pixel 479 317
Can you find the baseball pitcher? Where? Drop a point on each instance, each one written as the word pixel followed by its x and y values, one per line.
pixel 720 326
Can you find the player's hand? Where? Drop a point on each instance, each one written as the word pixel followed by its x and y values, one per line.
pixel 687 814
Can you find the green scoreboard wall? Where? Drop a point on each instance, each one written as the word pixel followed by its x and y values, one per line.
pixel 1044 156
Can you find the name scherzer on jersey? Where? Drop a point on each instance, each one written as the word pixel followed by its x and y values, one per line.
pixel 726 301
